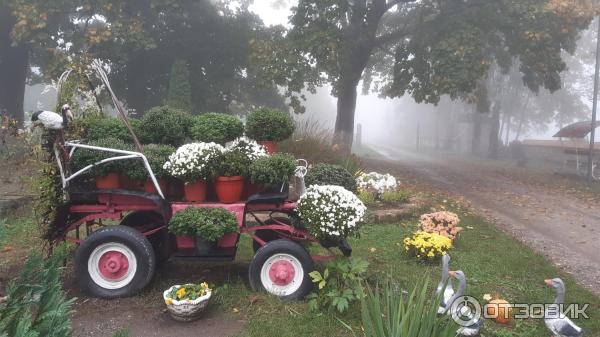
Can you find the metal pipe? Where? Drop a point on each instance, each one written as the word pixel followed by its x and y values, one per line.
pixel 594 107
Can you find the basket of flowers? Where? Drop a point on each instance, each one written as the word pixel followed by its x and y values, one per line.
pixel 187 302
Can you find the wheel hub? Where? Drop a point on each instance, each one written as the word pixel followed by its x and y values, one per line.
pixel 113 265
pixel 282 273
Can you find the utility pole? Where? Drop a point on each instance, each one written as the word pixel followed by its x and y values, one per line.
pixel 594 107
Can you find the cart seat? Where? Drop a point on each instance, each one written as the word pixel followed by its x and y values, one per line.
pixel 277 196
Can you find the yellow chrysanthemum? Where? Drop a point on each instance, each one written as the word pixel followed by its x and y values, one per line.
pixel 168 301
pixel 181 292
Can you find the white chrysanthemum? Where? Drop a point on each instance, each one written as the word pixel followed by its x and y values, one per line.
pixel 249 147
pixel 376 182
pixel 331 211
pixel 192 161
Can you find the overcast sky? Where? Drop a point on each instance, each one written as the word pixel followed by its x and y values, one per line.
pixel 273 12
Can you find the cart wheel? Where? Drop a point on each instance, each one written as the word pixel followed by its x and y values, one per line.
pixel 269 235
pixel 115 261
pixel 145 221
pixel 281 268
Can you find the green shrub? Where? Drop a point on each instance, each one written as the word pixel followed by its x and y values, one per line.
pixel 329 174
pixel 396 196
pixel 164 125
pixel 209 223
pixel 216 127
pixel 386 311
pixel 273 170
pixel 339 285
pixel 109 127
pixel 84 157
pixel 36 304
pixel 268 124
pixel 157 155
pixel 367 198
pixel 180 89
pixel 232 163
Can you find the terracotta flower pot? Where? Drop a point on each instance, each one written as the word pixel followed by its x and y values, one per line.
pixel 162 183
pixel 250 189
pixel 185 242
pixel 229 189
pixel 271 146
pixel 128 183
pixel 109 181
pixel 195 191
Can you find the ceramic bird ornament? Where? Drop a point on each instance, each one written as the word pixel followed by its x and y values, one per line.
pixel 559 324
pixel 472 329
pixel 51 120
pixel 445 286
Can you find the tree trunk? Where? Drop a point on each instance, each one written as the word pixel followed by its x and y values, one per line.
pixel 476 133
pixel 344 121
pixel 494 131
pixel 136 84
pixel 14 63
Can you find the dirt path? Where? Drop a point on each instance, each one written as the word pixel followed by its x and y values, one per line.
pixel 560 225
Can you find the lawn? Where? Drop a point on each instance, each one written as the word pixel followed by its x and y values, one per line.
pixel 493 262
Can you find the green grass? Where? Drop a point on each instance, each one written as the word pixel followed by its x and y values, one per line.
pixel 493 262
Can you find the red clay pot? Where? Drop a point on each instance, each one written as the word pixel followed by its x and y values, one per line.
pixel 109 181
pixel 229 189
pixel 185 242
pixel 250 189
pixel 196 191
pixel 128 183
pixel 271 146
pixel 162 183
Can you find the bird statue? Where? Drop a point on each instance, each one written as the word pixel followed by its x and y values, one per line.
pixel 464 313
pixel 51 120
pixel 556 322
pixel 445 286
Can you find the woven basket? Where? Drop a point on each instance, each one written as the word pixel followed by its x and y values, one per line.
pixel 186 310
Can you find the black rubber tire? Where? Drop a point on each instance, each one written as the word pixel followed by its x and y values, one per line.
pixel 268 235
pixel 160 241
pixel 282 247
pixel 134 240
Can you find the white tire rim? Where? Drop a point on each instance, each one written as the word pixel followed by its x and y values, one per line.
pixel 112 265
pixel 282 274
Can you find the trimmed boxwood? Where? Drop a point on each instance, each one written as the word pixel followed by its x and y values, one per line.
pixel 209 223
pixel 110 127
pixel 329 174
pixel 273 170
pixel 157 155
pixel 164 125
pixel 216 127
pixel 84 157
pixel 270 125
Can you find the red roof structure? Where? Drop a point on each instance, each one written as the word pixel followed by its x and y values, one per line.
pixel 576 130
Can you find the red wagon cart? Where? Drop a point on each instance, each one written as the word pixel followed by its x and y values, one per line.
pixel 116 260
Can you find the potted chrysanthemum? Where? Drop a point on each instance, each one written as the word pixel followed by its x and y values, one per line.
pixel 231 169
pixel 194 164
pixel 253 151
pixel 269 126
pixel 187 302
pixel 331 212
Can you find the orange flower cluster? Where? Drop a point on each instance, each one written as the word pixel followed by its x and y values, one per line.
pixel 443 223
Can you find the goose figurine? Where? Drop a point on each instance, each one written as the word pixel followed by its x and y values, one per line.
pixel 51 120
pixel 556 322
pixel 445 286
pixel 474 327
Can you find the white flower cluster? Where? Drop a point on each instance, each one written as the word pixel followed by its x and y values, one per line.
pixel 249 147
pixel 331 211
pixel 376 182
pixel 193 161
